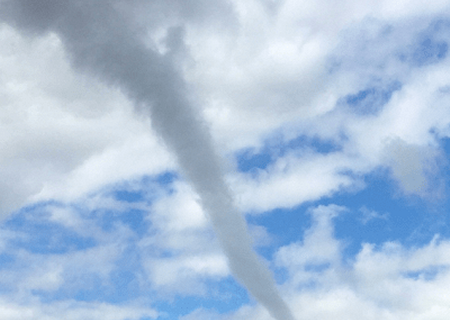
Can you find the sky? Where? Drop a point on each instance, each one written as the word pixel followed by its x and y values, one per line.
pixel 224 160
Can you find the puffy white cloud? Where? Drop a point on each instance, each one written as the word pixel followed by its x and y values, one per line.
pixel 318 246
pixel 292 180
pixel 181 251
pixel 73 310
pixel 68 272
pixel 186 274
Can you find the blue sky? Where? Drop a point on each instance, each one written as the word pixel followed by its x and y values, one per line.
pixel 328 125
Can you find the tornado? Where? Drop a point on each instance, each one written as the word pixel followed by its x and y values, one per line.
pixel 102 41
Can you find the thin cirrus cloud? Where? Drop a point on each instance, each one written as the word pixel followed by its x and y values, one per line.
pixel 330 122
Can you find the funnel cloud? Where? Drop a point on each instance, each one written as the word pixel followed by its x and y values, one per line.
pixel 103 42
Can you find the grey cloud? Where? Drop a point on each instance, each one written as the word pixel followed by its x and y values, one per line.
pixel 413 166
